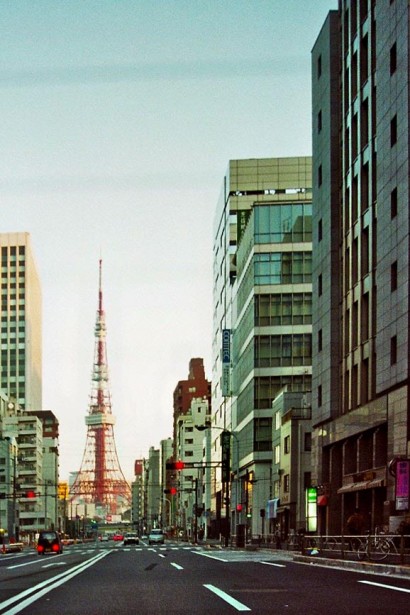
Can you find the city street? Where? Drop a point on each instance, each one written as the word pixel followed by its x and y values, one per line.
pixel 109 579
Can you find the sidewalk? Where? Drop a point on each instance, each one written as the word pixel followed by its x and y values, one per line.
pixel 367 567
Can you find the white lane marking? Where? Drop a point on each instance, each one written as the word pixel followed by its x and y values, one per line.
pixel 54 564
pixel 54 582
pixel 273 564
pixel 397 589
pixel 235 603
pixel 220 559
pixel 177 566
pixel 25 564
pixel 161 555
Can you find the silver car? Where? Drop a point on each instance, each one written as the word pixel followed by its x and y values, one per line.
pixel 156 536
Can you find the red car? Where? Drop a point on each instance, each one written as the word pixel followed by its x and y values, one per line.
pixel 118 537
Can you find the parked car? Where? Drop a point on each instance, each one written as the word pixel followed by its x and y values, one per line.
pixel 118 537
pixel 49 541
pixel 156 536
pixel 131 538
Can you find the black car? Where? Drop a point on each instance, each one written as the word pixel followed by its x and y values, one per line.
pixel 49 541
pixel 131 538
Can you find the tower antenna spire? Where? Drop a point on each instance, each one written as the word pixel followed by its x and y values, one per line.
pixel 100 479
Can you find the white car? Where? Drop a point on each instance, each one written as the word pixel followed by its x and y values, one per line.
pixel 156 536
pixel 131 538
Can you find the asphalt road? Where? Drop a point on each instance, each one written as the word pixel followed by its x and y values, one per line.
pixel 110 579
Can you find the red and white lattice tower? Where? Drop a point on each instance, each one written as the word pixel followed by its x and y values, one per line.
pixel 100 479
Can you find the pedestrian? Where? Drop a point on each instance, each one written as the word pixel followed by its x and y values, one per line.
pixel 355 522
pixel 354 526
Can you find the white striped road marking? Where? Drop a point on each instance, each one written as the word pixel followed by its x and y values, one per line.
pixel 161 555
pixel 397 589
pixel 177 566
pixel 273 564
pixel 43 589
pixel 220 559
pixel 54 564
pixel 235 603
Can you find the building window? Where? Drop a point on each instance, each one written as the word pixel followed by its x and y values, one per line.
pixel 393 350
pixel 319 285
pixel 393 203
pixel 319 121
pixel 320 340
pixel 319 67
pixel 393 58
pixel 278 420
pixel 286 445
pixel 393 131
pixel 282 268
pixel 286 483
pixel 320 230
pixel 189 453
pixel 277 453
pixel 308 441
pixel 319 395
pixel 393 276
pixel 320 175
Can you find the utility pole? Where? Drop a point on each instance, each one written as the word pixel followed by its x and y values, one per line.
pixel 196 513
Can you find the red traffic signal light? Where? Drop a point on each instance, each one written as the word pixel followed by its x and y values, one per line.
pixel 171 491
pixel 30 494
pixel 175 465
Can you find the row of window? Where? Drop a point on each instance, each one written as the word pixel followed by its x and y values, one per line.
pixel 307 446
pixel 283 268
pixel 288 223
pixel 12 250
pixel 283 309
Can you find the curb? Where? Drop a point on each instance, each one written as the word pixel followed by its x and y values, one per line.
pixel 367 567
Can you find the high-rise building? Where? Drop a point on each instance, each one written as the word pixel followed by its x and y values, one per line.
pixel 196 385
pixel 262 318
pixel 20 314
pixel 361 241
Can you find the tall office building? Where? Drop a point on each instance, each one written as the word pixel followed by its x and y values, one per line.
pixel 361 241
pixel 262 318
pixel 20 313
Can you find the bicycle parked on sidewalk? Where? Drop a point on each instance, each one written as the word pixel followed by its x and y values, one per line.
pixel 376 547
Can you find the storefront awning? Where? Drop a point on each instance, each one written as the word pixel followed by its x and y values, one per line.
pixel 364 484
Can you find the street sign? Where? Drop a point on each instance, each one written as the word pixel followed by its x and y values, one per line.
pixel 226 455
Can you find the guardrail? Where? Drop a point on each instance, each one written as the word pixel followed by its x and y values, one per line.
pixel 390 548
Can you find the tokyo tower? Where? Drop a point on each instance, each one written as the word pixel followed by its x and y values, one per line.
pixel 100 479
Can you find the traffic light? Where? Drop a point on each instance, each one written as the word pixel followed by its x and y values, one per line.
pixel 175 465
pixel 30 494
pixel 171 491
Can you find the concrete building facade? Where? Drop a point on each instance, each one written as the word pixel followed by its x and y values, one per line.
pixel 21 328
pixel 360 389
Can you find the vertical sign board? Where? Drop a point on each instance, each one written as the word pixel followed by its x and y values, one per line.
pixel 402 484
pixel 226 455
pixel 311 509
pixel 226 362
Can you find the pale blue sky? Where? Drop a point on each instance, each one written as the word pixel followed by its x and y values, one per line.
pixel 118 119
